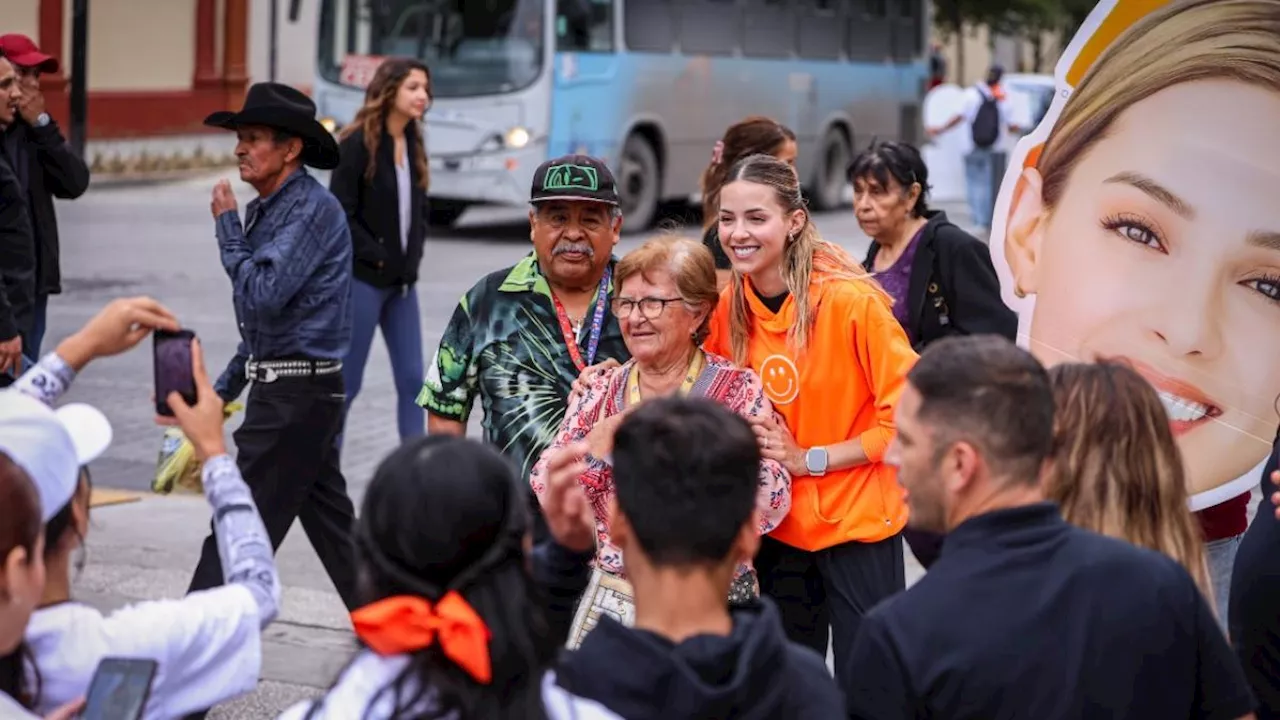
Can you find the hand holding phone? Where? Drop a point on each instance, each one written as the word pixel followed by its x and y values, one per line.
pixel 120 689
pixel 200 415
pixel 173 369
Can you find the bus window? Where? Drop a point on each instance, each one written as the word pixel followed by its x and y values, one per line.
pixel 821 32
pixel 650 25
pixel 709 27
pixel 768 29
pixel 908 40
pixel 584 25
pixel 870 32
pixel 474 47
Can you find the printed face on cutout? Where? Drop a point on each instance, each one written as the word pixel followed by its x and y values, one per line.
pixel 1164 251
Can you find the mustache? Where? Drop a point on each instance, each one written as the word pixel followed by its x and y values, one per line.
pixel 582 247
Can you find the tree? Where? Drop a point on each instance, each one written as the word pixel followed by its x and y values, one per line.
pixel 1029 19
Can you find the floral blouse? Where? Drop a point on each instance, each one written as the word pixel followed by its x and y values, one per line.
pixel 737 389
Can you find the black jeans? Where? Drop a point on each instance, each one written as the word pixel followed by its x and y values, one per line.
pixel 830 588
pixel 287 453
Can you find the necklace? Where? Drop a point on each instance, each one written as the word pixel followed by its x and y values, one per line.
pixel 696 363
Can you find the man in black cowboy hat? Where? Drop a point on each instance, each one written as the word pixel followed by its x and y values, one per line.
pixel 290 270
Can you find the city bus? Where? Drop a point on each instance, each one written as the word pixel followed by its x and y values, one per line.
pixel 646 85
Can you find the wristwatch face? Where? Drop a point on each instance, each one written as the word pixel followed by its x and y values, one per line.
pixel 816 460
pixel 42 119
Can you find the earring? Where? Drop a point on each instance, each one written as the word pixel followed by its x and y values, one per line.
pixel 1018 292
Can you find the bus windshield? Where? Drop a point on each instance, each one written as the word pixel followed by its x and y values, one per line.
pixel 473 47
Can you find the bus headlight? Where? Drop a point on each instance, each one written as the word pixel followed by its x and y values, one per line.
pixel 517 137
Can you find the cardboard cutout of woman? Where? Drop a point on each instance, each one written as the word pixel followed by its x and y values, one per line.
pixel 1141 221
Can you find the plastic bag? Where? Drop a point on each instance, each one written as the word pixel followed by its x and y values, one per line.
pixel 178 469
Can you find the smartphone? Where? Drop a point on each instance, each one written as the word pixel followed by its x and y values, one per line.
pixel 173 368
pixel 120 689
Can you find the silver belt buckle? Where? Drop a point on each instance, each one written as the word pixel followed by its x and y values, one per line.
pixel 258 373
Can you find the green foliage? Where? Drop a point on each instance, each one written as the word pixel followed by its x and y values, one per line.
pixel 1013 17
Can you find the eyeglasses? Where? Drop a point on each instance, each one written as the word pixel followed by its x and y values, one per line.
pixel 651 307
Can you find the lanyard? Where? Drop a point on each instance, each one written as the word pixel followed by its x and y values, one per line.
pixel 690 377
pixel 597 324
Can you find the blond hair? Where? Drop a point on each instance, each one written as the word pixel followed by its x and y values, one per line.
pixel 690 265
pixel 1116 467
pixel 807 257
pixel 1179 43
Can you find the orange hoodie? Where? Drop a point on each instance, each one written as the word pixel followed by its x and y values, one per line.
pixel 845 385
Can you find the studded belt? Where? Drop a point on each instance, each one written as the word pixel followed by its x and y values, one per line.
pixel 268 371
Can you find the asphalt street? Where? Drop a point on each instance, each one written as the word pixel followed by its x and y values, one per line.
pixel 158 240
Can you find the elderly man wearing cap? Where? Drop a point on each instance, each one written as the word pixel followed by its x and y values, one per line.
pixel 46 168
pixel 521 335
pixel 207 644
pixel 290 269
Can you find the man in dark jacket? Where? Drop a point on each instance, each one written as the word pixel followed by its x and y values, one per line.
pixel 686 473
pixel 46 168
pixel 17 249
pixel 1255 596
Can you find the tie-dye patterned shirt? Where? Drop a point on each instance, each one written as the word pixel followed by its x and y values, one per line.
pixel 504 344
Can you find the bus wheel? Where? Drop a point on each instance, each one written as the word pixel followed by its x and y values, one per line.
pixel 638 183
pixel 444 213
pixel 828 191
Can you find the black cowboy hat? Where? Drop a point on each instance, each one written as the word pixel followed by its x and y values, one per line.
pixel 281 107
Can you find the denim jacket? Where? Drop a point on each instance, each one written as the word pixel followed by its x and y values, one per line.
pixel 290 270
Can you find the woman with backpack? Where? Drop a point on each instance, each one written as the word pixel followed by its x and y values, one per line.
pixel 940 277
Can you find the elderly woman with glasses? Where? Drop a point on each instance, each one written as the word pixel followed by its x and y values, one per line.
pixel 665 292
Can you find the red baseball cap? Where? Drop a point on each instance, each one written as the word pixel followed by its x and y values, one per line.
pixel 23 52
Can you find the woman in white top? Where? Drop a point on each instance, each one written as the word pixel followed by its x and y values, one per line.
pixel 21 582
pixel 207 645
pixel 453 629
pixel 381 181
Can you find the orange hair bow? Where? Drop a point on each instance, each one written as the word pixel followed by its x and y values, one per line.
pixel 408 623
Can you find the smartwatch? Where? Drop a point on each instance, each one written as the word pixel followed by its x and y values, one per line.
pixel 815 461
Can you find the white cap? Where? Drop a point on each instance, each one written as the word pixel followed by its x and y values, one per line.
pixel 51 446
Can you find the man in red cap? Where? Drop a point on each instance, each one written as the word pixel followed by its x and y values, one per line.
pixel 17 248
pixel 46 168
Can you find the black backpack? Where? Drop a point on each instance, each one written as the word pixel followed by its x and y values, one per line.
pixel 986 124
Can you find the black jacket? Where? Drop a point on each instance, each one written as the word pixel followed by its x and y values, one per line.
pixel 1255 592
pixel 954 289
pixel 373 211
pixel 46 168
pixel 754 673
pixel 17 259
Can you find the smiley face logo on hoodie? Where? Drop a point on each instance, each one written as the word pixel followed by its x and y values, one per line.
pixel 780 378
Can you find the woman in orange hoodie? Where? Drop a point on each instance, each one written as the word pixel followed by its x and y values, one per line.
pixel 821 335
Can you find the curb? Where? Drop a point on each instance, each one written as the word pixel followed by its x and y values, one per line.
pixel 136 180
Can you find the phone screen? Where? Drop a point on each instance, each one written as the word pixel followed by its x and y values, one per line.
pixel 119 690
pixel 173 368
